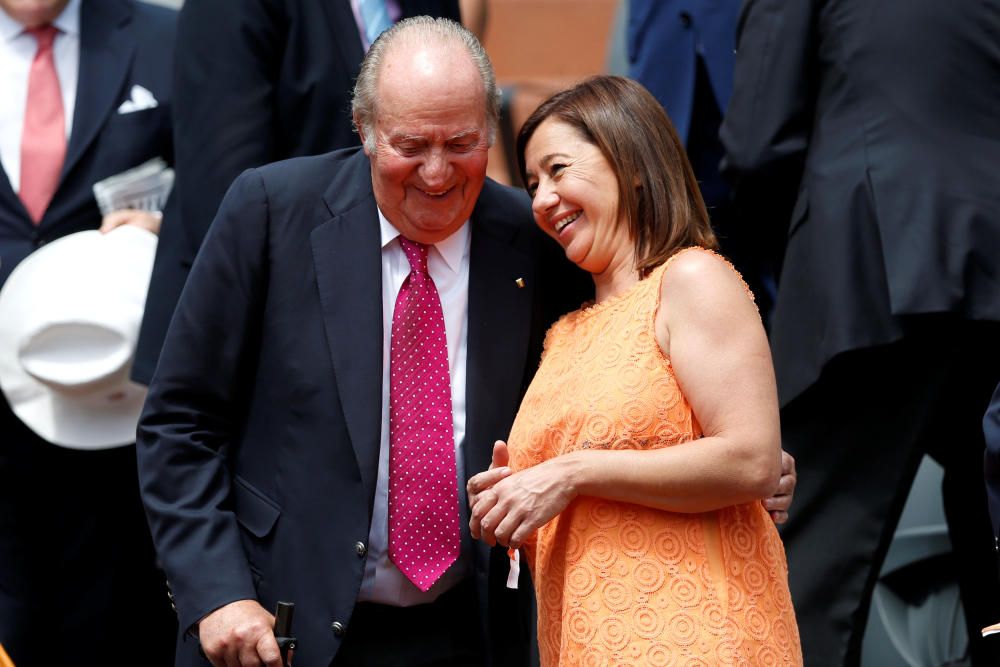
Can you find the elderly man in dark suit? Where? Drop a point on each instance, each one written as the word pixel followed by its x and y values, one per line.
pixel 879 121
pixel 86 95
pixel 265 441
pixel 256 81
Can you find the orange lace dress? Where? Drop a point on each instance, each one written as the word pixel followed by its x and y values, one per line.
pixel 623 584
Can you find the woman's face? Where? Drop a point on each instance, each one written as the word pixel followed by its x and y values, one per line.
pixel 574 196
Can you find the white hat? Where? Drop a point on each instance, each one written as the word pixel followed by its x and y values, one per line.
pixel 69 321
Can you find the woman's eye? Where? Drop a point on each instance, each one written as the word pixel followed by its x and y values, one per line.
pixel 556 168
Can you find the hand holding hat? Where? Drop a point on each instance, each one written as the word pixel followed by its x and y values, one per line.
pixel 69 321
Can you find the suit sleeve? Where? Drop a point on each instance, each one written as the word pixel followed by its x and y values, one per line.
pixel 991 429
pixel 228 58
pixel 193 414
pixel 769 120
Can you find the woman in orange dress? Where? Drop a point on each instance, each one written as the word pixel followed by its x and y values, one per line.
pixel 650 430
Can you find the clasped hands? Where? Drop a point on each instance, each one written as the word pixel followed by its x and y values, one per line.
pixel 507 507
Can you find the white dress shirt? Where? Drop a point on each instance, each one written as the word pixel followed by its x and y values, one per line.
pixel 448 266
pixel 17 50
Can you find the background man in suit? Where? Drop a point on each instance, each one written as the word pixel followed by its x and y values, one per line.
pixel 879 121
pixel 683 51
pixel 264 451
pixel 256 81
pixel 77 579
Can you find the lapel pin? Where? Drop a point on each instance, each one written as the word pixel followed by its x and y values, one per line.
pixel 519 282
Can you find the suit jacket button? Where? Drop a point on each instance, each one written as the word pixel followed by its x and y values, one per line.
pixel 360 549
pixel 338 629
pixel 686 19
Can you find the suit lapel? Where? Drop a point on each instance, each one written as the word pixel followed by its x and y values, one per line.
pixel 499 330
pixel 347 258
pixel 9 201
pixel 105 58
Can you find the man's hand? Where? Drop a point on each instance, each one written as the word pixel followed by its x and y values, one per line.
pixel 779 503
pixel 240 634
pixel 148 220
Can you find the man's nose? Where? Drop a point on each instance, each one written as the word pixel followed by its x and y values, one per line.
pixel 435 168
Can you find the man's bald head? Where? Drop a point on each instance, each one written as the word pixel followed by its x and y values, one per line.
pixel 420 46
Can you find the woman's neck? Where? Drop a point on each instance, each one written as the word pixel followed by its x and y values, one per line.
pixel 617 279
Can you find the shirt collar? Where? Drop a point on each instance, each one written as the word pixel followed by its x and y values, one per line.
pixel 68 22
pixel 451 249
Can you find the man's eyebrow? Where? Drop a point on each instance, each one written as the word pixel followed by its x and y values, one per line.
pixel 404 138
pixel 465 134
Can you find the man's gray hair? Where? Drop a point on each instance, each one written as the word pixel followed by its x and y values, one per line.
pixel 364 105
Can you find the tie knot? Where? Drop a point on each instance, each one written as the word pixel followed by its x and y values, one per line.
pixel 416 253
pixel 44 35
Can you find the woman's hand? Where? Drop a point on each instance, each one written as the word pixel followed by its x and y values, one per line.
pixel 485 481
pixel 513 508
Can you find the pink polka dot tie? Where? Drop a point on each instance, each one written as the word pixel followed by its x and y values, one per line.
pixel 423 484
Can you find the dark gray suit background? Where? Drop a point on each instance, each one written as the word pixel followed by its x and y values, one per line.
pixel 878 120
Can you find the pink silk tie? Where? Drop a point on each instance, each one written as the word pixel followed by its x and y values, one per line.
pixel 43 140
pixel 423 484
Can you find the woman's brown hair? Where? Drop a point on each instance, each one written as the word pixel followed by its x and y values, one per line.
pixel 657 191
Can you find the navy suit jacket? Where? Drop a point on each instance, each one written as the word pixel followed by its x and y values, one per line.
pixel 663 42
pixel 257 81
pixel 121 44
pixel 258 446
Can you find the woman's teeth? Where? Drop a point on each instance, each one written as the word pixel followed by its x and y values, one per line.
pixel 568 219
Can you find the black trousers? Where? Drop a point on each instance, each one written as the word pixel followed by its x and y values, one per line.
pixel 444 633
pixel 78 582
pixel 858 435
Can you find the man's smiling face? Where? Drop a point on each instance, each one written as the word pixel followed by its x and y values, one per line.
pixel 431 139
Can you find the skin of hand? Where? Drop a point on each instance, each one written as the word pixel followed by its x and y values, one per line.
pixel 778 504
pixel 148 220
pixel 485 481
pixel 239 634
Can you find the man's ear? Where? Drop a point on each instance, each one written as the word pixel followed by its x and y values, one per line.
pixel 361 133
